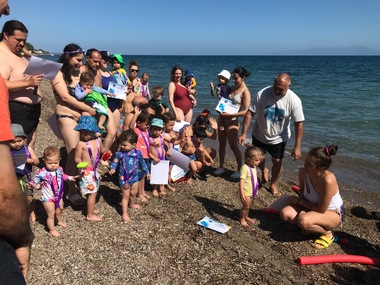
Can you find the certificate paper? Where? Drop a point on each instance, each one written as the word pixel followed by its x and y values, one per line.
pixel 177 173
pixel 178 126
pixel 214 225
pixel 159 172
pixel 117 89
pixel 46 67
pixel 226 106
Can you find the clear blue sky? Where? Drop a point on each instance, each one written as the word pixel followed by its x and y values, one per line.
pixel 199 27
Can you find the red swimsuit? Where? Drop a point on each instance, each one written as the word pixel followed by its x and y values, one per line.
pixel 181 100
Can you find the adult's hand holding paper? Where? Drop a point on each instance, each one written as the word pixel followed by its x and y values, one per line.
pixel 227 106
pixel 118 89
pixel 46 67
pixel 179 159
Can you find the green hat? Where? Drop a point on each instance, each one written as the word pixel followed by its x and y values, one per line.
pixel 157 122
pixel 18 130
pixel 119 58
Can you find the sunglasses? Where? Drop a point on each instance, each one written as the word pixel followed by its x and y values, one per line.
pixel 134 70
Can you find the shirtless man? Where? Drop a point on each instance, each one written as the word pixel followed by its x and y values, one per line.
pixel 24 93
pixel 93 58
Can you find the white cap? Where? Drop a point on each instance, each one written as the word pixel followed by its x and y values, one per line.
pixel 225 73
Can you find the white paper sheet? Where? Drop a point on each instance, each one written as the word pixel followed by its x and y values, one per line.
pixel 226 106
pixel 179 159
pixel 118 89
pixel 178 126
pixel 159 172
pixel 46 67
pixel 177 173
pixel 214 225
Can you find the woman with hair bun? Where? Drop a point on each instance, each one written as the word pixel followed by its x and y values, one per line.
pixel 319 208
pixel 229 130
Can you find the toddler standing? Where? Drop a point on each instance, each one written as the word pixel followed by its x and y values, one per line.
pixel 249 182
pixel 50 180
pixel 88 151
pixel 130 161
pixel 157 150
pixel 24 158
pixel 171 139
pixel 140 124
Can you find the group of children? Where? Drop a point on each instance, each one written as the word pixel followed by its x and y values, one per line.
pixel 149 139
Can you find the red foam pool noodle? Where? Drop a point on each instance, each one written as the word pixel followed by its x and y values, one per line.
pixel 338 258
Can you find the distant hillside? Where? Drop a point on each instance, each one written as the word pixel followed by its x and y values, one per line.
pixel 354 50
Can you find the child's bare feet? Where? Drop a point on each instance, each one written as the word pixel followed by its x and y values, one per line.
pixel 155 193
pixel 126 218
pixel 189 181
pixel 163 193
pixel 244 223
pixel 250 221
pixel 142 198
pixel 94 218
pixel 171 188
pixel 62 224
pixel 146 195
pixel 54 233
pixel 95 212
pixel 135 206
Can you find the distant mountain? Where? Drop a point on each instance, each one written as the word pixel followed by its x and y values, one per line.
pixel 354 50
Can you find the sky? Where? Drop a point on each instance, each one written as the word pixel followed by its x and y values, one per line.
pixel 201 27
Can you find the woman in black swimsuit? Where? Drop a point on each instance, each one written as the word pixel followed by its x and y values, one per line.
pixel 68 108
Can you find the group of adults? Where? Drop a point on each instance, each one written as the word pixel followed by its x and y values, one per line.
pixel 274 107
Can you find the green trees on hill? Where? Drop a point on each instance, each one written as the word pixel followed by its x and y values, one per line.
pixel 31 48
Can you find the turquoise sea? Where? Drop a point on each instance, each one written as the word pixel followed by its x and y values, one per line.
pixel 340 95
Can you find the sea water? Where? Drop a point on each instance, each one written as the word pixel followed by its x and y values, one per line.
pixel 340 96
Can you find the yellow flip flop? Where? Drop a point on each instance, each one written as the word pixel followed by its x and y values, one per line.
pixel 322 242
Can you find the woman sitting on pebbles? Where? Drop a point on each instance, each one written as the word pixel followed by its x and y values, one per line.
pixel 68 109
pixel 319 208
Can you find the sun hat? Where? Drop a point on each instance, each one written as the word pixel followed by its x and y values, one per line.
pixel 189 72
pixel 88 123
pixel 119 58
pixel 157 122
pixel 18 131
pixel 105 55
pixel 225 73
